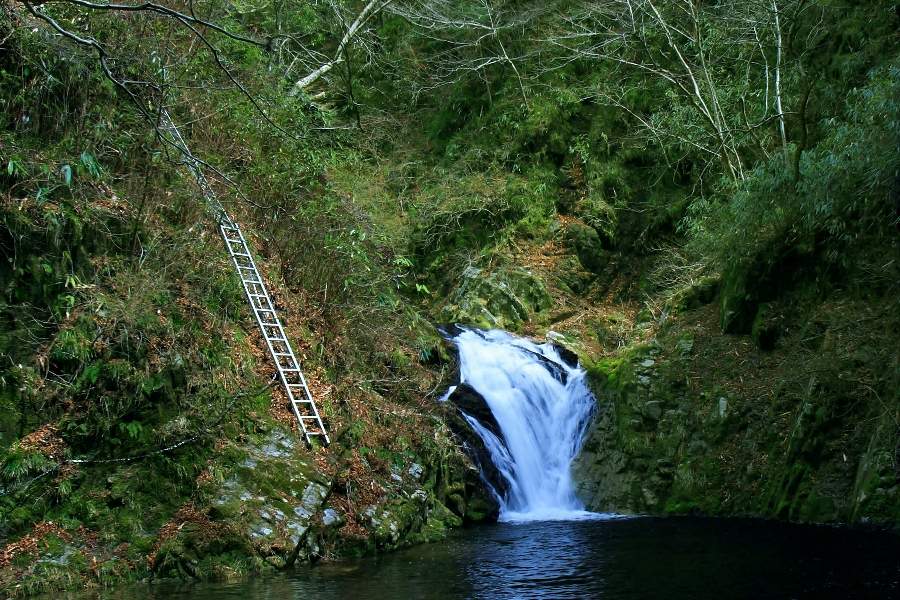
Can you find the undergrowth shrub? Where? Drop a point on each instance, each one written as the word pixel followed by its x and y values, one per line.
pixel 845 194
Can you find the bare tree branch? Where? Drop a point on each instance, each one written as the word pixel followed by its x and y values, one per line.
pixel 371 9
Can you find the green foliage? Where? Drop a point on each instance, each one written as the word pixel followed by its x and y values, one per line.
pixel 125 328
pixel 839 201
pixel 459 218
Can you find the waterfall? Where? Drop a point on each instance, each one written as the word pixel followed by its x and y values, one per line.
pixel 542 408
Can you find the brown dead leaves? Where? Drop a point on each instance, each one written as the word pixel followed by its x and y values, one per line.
pixel 187 514
pixel 32 543
pixel 45 440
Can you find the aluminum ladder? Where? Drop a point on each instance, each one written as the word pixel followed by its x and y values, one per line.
pixel 289 372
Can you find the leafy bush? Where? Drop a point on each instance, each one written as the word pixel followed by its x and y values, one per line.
pixel 841 198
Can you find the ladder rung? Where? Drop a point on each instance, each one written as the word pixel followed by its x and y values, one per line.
pixel 241 254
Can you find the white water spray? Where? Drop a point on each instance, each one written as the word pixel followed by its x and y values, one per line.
pixel 543 407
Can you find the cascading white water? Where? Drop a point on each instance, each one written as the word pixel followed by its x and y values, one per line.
pixel 542 420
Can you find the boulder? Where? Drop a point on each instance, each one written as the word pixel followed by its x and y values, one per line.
pixel 737 303
pixel 763 278
pixel 502 299
pixel 572 276
pixel 695 295
pixel 587 245
pixel 767 327
pixel 262 510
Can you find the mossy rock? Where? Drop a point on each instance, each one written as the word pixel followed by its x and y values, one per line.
pixel 601 217
pixel 203 551
pixel 767 327
pixel 764 278
pixel 572 276
pixel 737 303
pixel 271 497
pixel 587 245
pixel 695 295
pixel 611 330
pixel 503 299
pixel 481 508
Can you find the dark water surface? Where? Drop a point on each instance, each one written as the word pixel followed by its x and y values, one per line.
pixel 628 558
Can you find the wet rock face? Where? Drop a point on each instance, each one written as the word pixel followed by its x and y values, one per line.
pixel 468 400
pixel 662 446
pixel 465 399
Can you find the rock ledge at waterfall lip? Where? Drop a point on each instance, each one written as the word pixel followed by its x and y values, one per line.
pixel 568 359
pixel 561 344
pixel 449 331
